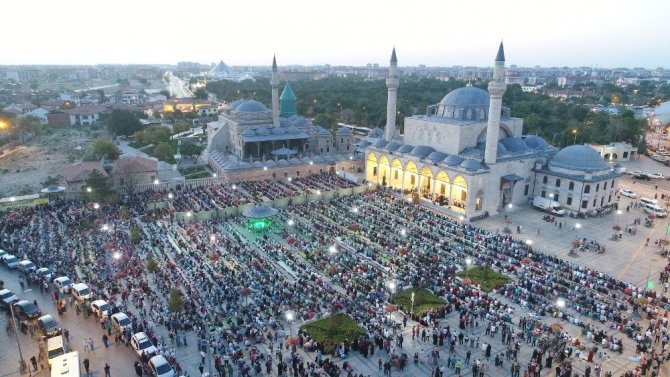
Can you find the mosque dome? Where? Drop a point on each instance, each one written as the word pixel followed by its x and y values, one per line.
pixel 344 131
pixel 578 157
pixel 248 132
pixel 514 144
pixel 470 164
pixel 405 148
pixel 270 163
pixel 234 105
pixel 436 156
pixel 422 151
pixel 251 106
pixel 292 130
pixel 381 143
pixel 453 160
pixel 535 142
pixel 278 130
pixel 262 131
pixel 392 146
pixel 467 103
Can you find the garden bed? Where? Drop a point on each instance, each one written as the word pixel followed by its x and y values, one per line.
pixel 424 301
pixel 487 279
pixel 333 330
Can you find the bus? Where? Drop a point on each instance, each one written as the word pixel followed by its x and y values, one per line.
pixel 66 365
pixel 356 130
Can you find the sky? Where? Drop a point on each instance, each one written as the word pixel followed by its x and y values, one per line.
pixel 606 34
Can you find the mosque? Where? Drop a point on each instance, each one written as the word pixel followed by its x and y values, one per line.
pixel 251 142
pixel 469 155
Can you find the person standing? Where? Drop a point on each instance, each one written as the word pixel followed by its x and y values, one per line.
pixel 33 360
pixel 138 369
pixel 104 340
pixel 87 365
pixel 107 368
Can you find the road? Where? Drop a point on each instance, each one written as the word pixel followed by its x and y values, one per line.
pixel 177 87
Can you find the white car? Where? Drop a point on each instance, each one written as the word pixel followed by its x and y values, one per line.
pixel 81 292
pixel 11 261
pixel 628 193
pixel 160 367
pixel 656 175
pixel 142 344
pixel 101 308
pixel 27 266
pixel 45 273
pixel 63 283
pixel 7 298
pixel 121 321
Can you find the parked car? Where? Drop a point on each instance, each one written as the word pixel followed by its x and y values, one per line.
pixel 81 292
pixel 45 273
pixel 121 321
pixel 48 326
pixel 160 367
pixel 628 193
pixel 656 175
pixel 63 283
pixel 642 176
pixel 142 344
pixel 101 308
pixel 11 261
pixel 2 254
pixel 25 309
pixel 7 298
pixel 27 266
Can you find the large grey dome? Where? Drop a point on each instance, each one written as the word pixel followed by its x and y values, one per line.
pixel 580 158
pixel 234 105
pixel 535 142
pixel 467 103
pixel 251 106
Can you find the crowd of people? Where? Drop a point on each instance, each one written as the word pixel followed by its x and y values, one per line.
pixel 348 255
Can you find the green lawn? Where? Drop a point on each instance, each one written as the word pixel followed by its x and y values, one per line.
pixel 424 301
pixel 333 330
pixel 485 277
pixel 195 172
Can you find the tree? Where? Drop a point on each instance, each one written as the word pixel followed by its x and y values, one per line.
pixel 104 148
pixel 180 126
pixel 163 152
pixel 103 97
pixel 190 149
pixel 125 123
pixel 175 302
pixel 131 173
pixel 152 266
pixel 29 125
pixel 100 187
pixel 201 93
pixel 326 121
pixel 135 234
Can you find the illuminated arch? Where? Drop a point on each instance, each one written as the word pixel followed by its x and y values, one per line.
pixel 426 184
pixel 396 173
pixel 411 176
pixel 442 186
pixel 384 171
pixel 371 168
pixel 459 194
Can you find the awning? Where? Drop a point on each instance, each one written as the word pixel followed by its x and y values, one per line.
pixel 511 178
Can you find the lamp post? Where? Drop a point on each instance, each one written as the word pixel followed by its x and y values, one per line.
pixel 18 343
pixel 468 262
pixel 411 311
pixel 560 303
pixel 577 227
pixel 340 105
pixel 618 213
pixel 290 316
pixel 574 132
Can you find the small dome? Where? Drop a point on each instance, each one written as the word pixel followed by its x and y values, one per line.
pixel 514 144
pixel 317 159
pixel 234 105
pixel 436 156
pixel 364 144
pixel 422 151
pixel 251 106
pixel 270 163
pixel 535 142
pixel 322 131
pixel 381 143
pixel 344 131
pixel 262 131
pixel 244 165
pixel 405 148
pixel 470 164
pixel 295 161
pixel 257 164
pixel 306 160
pixel 453 160
pixel 248 132
pixel 282 162
pixel 292 130
pixel 392 146
pixel 277 130
pixel 578 157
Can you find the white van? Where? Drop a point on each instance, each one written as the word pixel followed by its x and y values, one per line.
pixel 63 283
pixel 27 266
pixel 648 201
pixel 655 210
pixel 66 365
pixel 55 347
pixel 81 292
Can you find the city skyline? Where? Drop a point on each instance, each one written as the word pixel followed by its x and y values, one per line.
pixel 432 33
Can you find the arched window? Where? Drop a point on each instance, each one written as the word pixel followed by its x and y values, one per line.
pixel 558 182
pixel 571 186
pixel 544 179
pixel 587 189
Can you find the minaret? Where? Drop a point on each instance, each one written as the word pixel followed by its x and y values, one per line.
pixel 274 82
pixel 497 88
pixel 392 85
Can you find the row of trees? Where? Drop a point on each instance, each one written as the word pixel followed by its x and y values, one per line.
pixel 363 102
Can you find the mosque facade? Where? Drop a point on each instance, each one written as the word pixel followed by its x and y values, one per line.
pixel 469 155
pixel 250 141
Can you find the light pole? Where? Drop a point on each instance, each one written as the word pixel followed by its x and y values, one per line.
pixel 16 333
pixel 577 227
pixel 411 311
pixel 574 132
pixel 468 262
pixel 560 303
pixel 618 213
pixel 290 316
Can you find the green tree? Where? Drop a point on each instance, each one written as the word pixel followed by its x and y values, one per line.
pixel 103 97
pixel 135 234
pixel 152 266
pixel 28 125
pixel 164 152
pixel 201 93
pixel 175 302
pixel 190 149
pixel 104 148
pixel 125 123
pixel 100 187
pixel 326 121
pixel 180 126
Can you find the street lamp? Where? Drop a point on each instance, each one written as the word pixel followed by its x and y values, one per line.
pixel 116 255
pixel 461 218
pixel 618 213
pixel 170 196
pixel 411 311
pixel 156 181
pixel 105 227
pixel 468 262
pixel 88 189
pixel 574 132
pixel 332 249
pixel 529 242
pixel 354 210
pixel 577 227
pixel 403 232
pixel 96 206
pixel 290 222
pixel 290 316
